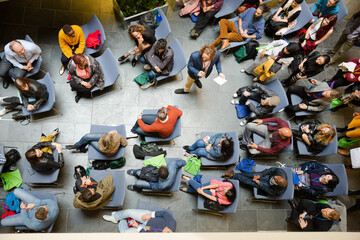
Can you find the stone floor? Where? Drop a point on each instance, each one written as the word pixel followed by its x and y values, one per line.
pixel 208 109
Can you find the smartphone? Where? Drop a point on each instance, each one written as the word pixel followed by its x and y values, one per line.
pixel 31 171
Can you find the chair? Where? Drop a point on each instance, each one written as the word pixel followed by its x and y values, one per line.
pixel 175 133
pixel 41 196
pixel 228 209
pixel 289 192
pixel 331 148
pixel 2 157
pixel 163 30
pixel 94 154
pixel 151 207
pixel 93 25
pixel 179 61
pixel 41 179
pixel 295 99
pixel 118 195
pixel 109 67
pixel 205 162
pixel 342 10
pixel 342 187
pixel 37 64
pixel 304 17
pixel 172 189
pixel 228 7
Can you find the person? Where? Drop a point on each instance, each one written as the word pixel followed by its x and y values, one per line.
pixel 284 19
pixel 356 206
pixel 40 156
pixel 159 61
pixel 349 37
pixel 246 4
pixel 166 174
pixel 222 192
pixel 266 98
pixel 310 66
pixel 271 181
pixel 139 221
pixel 218 147
pixel 315 179
pixel 19 59
pixel 250 25
pixel 200 66
pixel 208 9
pixel 156 125
pixel 144 39
pixel 349 72
pixel 280 51
pixel 32 95
pixel 325 7
pixel 312 216
pixel 35 214
pixel 315 135
pixel 85 73
pixel 315 95
pixel 106 143
pixel 72 41
pixel 91 195
pixel 353 128
pixel 351 98
pixel 276 136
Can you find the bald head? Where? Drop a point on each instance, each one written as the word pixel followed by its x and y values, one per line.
pixel 280 181
pixel 16 47
pixel 285 132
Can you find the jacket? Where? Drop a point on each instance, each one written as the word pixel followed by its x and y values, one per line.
pixel 352 25
pixel 248 23
pixel 215 150
pixel 315 220
pixel 195 65
pixel 67 42
pixel 315 146
pixel 323 9
pixel 165 63
pixel 265 187
pixel 316 105
pixel 37 91
pixel 161 220
pixel 173 167
pixel 149 173
pixel 105 188
pixel 47 162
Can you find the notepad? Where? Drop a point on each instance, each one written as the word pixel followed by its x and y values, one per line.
pixel 219 80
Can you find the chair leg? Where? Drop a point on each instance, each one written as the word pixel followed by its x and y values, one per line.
pixel 208 212
pixel 156 83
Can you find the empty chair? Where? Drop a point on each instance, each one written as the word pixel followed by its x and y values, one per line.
pixel 331 148
pixel 163 30
pixel 118 195
pixel 295 99
pixel 232 160
pixel 93 25
pixel 179 60
pixel 109 67
pixel 93 154
pixel 289 192
pixel 228 7
pixel 342 187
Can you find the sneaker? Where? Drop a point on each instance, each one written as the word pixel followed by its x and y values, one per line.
pixel 133 62
pixel 110 218
pixel 147 85
pixel 187 148
pixel 255 79
pixel 2 99
pixel 62 70
pixel 180 91
pixel 131 135
pixel 123 59
pixel 330 52
pixel 235 101
pixel 242 70
pixel 243 122
pixel 147 67
pixel 198 83
pixel 235 95
pixel 72 147
pixel 4 111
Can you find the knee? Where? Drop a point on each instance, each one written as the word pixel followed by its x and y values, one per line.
pixel 223 21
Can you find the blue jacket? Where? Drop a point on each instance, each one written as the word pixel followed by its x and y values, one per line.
pixel 162 219
pixel 254 28
pixel 215 150
pixel 29 220
pixel 172 167
pixel 323 9
pixel 195 65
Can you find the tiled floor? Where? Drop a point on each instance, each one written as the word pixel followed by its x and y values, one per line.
pixel 208 109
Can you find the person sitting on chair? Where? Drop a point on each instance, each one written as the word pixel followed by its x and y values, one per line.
pixel 271 181
pixel 277 137
pixel 266 98
pixel 40 156
pixel 156 125
pixel 29 89
pixel 325 7
pixel 348 73
pixel 246 4
pixel 35 214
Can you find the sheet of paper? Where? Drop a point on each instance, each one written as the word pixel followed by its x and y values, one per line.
pixel 220 80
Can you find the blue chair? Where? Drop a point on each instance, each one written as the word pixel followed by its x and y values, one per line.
pixel 205 162
pixel 342 10
pixel 289 192
pixel 295 99
pixel 172 189
pixel 179 61
pixel 41 196
pixel 118 195
pixel 110 68
pixel 342 187
pixel 175 133
pixel 93 25
pixel 93 154
pixel 163 30
pixel 2 157
pixel 151 207
pixel 228 7
pixel 229 208
pixel 37 63
pixel 331 148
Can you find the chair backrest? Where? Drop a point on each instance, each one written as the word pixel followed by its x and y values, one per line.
pixel 304 17
pixel 276 86
pixel 93 25
pixel 109 67
pixel 179 57
pixel 342 187
pixel 342 10
pixel 228 7
pixel 37 64
pixel 163 30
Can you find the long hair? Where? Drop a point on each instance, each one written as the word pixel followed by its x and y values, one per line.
pixel 20 83
pixel 227 148
pixel 323 30
pixel 325 138
pixel 209 50
pixel 136 28
pixel 31 156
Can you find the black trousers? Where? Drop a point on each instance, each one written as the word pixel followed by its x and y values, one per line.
pixel 339 79
pixel 80 89
pixel 12 102
pixel 65 60
pixel 203 20
pixel 300 91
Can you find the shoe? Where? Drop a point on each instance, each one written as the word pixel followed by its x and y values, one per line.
pixel 288 220
pixel 2 99
pixel 242 70
pixel 243 147
pixel 194 34
pixel 133 62
pixel 186 148
pixel 77 98
pixel 186 178
pixel 198 83
pixel 329 52
pixel 235 95
pixel 183 189
pixel 62 70
pixel 225 46
pixel 6 83
pixel 240 138
pixel 131 135
pixel 131 172
pixel 72 147
pixel 43 135
pixel 235 101
pixel 4 111
pixel 123 59
pixel 57 130
pixel 255 79
pixel 147 67
pixel 229 174
pixel 180 91
pixel 110 218
pixel 147 85
pixel 292 204
pixel 131 188
pixel 243 122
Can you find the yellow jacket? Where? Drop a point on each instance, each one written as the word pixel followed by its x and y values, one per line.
pixel 65 41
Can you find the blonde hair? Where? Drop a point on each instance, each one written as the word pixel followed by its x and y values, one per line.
pixel 109 143
pixel 209 50
pixel 325 138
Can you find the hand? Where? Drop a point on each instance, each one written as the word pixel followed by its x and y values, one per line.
pixel 262 54
pixel 88 180
pixel 113 131
pixel 83 180
pixel 146 217
pixel 246 93
pixel 30 206
pixel 313 81
pixel 222 75
pixel 136 50
pixel 208 148
pixel 201 74
pixel 257 182
pixel 356 114
pixel 301 66
pixel 302 215
pixel 206 139
pixel 139 116
pixel 253 145
pixel 200 191
pixel 275 18
pixel 167 230
pixel 157 69
pixel 258 121
pixel 59 148
pixel 352 75
pixel 256 177
pixel 22 205
pixel 30 107
pixel 247 103
pixel 86 84
pixel 135 225
pixel 299 172
pixel 205 9
pixel 300 184
pixel 244 34
pixel 302 223
pixel 303 106
pixel 25 68
pixel 165 106
pixel 303 44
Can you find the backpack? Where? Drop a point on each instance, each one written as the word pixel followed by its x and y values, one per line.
pixel 212 205
pixel 149 147
pixel 142 78
pixel 251 49
pixel 193 165
pixel 8 212
pixel 11 157
pixel 81 173
pixel 148 20
pixel 93 39
pixel 12 202
pixel 118 163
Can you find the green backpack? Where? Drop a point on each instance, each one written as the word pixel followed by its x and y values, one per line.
pixel 347 142
pixel 11 179
pixel 118 163
pixel 193 165
pixel 142 78
pixel 240 54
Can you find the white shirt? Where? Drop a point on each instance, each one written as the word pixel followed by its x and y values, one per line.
pixel 32 53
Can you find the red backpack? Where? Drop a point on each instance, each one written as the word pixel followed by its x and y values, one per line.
pixel 93 39
pixel 8 212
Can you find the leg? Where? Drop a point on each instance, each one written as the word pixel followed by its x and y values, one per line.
pixel 203 20
pixel 297 90
pixel 142 184
pixel 355 207
pixel 78 87
pixel 12 221
pixel 5 67
pixel 200 152
pixel 266 143
pixel 193 186
pixel 88 138
pixel 25 196
pixel 340 42
pixel 12 102
pixel 198 144
pixel 251 128
pixel 17 73
pixel 343 49
pixel 47 139
pixel 246 178
pixel 188 84
pixel 135 214
pixel 64 60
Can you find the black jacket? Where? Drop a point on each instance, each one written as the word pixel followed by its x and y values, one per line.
pixel 316 222
pixel 47 162
pixel 315 146
pixel 37 91
pixel 164 61
pixel 266 188
pixel 149 174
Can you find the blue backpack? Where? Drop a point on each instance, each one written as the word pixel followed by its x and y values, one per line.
pixel 13 202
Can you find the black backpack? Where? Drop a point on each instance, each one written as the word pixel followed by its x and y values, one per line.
pixel 212 205
pixel 11 157
pixel 148 20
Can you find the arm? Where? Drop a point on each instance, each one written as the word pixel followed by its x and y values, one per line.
pixel 65 48
pixel 259 31
pixel 24 99
pixel 305 138
pixel 325 36
pixel 176 110
pixel 191 65
pixel 276 147
pixel 36 52
pixel 13 61
pixel 96 73
pixel 148 128
pixel 168 58
pixel 82 40
pixel 218 63
pixel 315 6
pixel 319 107
pixel 42 144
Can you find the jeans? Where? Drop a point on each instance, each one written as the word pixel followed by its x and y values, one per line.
pixel 90 138
pixel 194 185
pixel 198 148
pixel 140 184
pixel 8 69
pixel 148 119
pixel 135 214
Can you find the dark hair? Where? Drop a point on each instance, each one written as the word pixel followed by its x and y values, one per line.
pixel 67 28
pixel 227 148
pixel 87 196
pixel 41 214
pixel 299 1
pixel 21 82
pixel 163 172
pixel 264 8
pixel 31 156
pixel 160 44
pixel 326 59
pixel 332 183
pixel 324 30
pixel 231 194
pixel 136 28
pixel 77 58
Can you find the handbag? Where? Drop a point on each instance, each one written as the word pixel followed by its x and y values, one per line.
pixel 347 142
pixel 11 179
pixel 193 165
pixel 142 78
pixel 336 102
pixel 245 165
pixel 241 110
pixel 12 156
pixel 8 212
pixel 213 205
